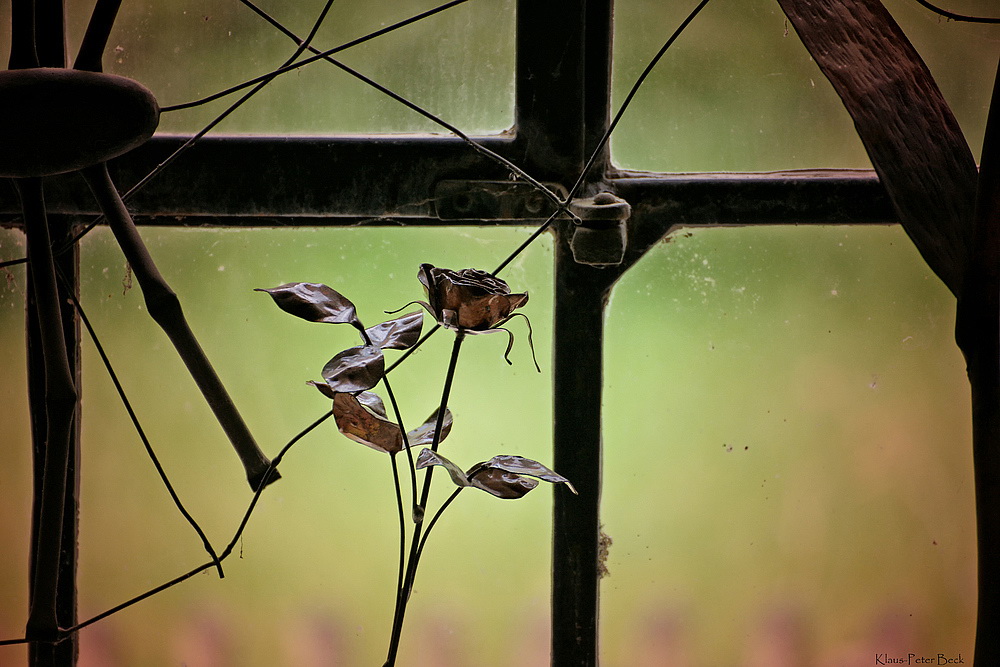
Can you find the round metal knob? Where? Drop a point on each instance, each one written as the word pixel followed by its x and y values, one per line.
pixel 57 120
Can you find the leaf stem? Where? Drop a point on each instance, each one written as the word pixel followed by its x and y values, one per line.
pixel 455 349
pixel 402 524
pixel 406 445
pixel 437 515
pixel 403 594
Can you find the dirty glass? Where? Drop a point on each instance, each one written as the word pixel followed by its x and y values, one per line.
pixel 312 581
pixel 790 409
pixel 458 64
pixel 15 495
pixel 739 92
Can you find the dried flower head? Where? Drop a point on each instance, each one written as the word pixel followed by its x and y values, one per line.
pixel 470 299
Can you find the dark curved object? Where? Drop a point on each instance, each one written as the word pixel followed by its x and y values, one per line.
pixel 56 120
pixel 949 210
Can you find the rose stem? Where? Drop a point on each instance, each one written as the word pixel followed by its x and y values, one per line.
pixel 438 426
pixel 437 515
pixel 411 568
pixel 406 444
pixel 402 525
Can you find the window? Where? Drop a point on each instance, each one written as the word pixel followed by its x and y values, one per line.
pixel 316 178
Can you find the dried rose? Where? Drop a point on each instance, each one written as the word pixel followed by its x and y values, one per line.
pixel 471 300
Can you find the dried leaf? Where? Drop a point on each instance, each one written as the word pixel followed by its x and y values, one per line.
pixel 355 369
pixel 324 389
pixel 359 422
pixel 423 435
pixel 501 476
pixel 314 302
pixel 398 334
pixel 502 484
pixel 522 466
pixel 431 458
pixel 374 403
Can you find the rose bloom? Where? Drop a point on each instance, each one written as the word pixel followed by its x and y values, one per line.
pixel 470 299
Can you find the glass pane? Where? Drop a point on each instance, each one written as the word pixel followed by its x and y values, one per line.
pixel 15 473
pixel 739 92
pixel 793 402
pixel 458 64
pixel 312 581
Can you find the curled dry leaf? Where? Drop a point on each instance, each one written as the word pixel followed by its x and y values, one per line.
pixel 373 402
pixel 502 484
pixel 470 299
pixel 522 466
pixel 398 334
pixel 430 458
pixel 507 477
pixel 355 369
pixel 324 389
pixel 362 418
pixel 423 435
pixel 314 302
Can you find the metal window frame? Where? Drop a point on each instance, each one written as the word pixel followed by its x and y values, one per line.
pixel 562 102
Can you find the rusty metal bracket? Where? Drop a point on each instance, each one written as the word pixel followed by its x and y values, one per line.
pixel 493 200
pixel 601 235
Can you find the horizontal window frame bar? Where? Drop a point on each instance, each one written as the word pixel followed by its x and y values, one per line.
pixel 249 181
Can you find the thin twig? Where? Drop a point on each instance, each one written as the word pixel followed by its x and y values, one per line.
pixel 403 595
pixel 402 523
pixel 520 173
pixel 406 443
pixel 631 94
pixel 434 519
pixel 581 179
pixel 138 598
pixel 956 17
pixel 430 332
pixel 420 110
pixel 271 470
pixel 531 239
pixel 308 61
pixel 140 431
pixel 225 554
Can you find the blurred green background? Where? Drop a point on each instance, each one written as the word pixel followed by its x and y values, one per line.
pixel 787 470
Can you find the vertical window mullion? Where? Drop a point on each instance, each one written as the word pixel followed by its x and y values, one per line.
pixel 68 264
pixel 550 87
pixel 578 341
pixel 561 112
